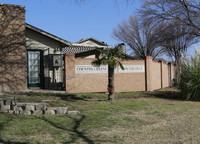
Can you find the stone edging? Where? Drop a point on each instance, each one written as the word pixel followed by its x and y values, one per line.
pixel 10 105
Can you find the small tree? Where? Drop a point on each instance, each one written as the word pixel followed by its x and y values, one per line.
pixel 110 57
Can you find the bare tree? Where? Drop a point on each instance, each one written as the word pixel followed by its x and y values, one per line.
pixel 142 37
pixel 116 1
pixel 185 12
pixel 176 40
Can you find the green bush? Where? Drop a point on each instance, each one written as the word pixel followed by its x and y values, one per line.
pixel 174 82
pixel 190 76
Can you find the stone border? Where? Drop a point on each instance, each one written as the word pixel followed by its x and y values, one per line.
pixel 10 105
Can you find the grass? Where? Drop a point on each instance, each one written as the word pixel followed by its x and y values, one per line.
pixel 141 117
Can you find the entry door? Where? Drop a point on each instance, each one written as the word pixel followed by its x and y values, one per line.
pixel 34 68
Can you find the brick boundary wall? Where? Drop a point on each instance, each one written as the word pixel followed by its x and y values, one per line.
pixel 156 75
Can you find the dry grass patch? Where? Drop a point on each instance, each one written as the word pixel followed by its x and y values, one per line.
pixel 147 118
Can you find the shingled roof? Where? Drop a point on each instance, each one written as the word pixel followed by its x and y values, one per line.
pixel 79 48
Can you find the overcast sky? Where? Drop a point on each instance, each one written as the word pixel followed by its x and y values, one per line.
pixel 72 21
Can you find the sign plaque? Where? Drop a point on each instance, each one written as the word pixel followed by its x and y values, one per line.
pixel 132 69
pixel 90 69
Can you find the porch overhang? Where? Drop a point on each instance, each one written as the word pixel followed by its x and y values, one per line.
pixel 80 48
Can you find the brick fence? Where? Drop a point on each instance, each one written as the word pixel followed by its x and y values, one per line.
pixel 139 75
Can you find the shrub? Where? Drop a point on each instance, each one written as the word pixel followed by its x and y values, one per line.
pixel 190 76
pixel 174 82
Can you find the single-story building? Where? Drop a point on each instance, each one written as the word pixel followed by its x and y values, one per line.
pixel 45 58
pixel 33 58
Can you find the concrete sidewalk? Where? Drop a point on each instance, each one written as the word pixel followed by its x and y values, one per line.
pixel 28 91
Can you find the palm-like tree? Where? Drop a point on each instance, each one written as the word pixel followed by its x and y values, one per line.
pixel 111 57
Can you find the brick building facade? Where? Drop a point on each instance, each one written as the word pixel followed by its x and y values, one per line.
pixel 12 48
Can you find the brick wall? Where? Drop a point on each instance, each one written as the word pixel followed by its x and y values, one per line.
pixel 155 71
pixel 160 74
pixel 12 48
pixel 154 75
pixel 165 75
pixel 129 81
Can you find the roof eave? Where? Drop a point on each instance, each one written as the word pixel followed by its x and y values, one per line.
pixel 48 34
pixel 78 42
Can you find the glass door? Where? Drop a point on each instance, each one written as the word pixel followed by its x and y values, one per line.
pixel 33 68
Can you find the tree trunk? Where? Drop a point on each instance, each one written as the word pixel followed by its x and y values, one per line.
pixel 111 95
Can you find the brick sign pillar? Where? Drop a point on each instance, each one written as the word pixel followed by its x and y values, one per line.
pixel 148 63
pixel 161 74
pixel 69 71
pixel 170 73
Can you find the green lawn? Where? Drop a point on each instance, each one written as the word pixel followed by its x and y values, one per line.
pixel 149 118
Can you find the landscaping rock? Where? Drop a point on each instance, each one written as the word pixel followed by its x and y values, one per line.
pixel 1 105
pixel 61 110
pixel 7 101
pixel 49 112
pixel 5 107
pixel 74 112
pixel 41 106
pixel 30 107
pixel 52 108
pixel 16 112
pixel 10 111
pixel 3 111
pixel 1 102
pixel 17 108
pixel 37 112
pixel 26 112
pixel 21 104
